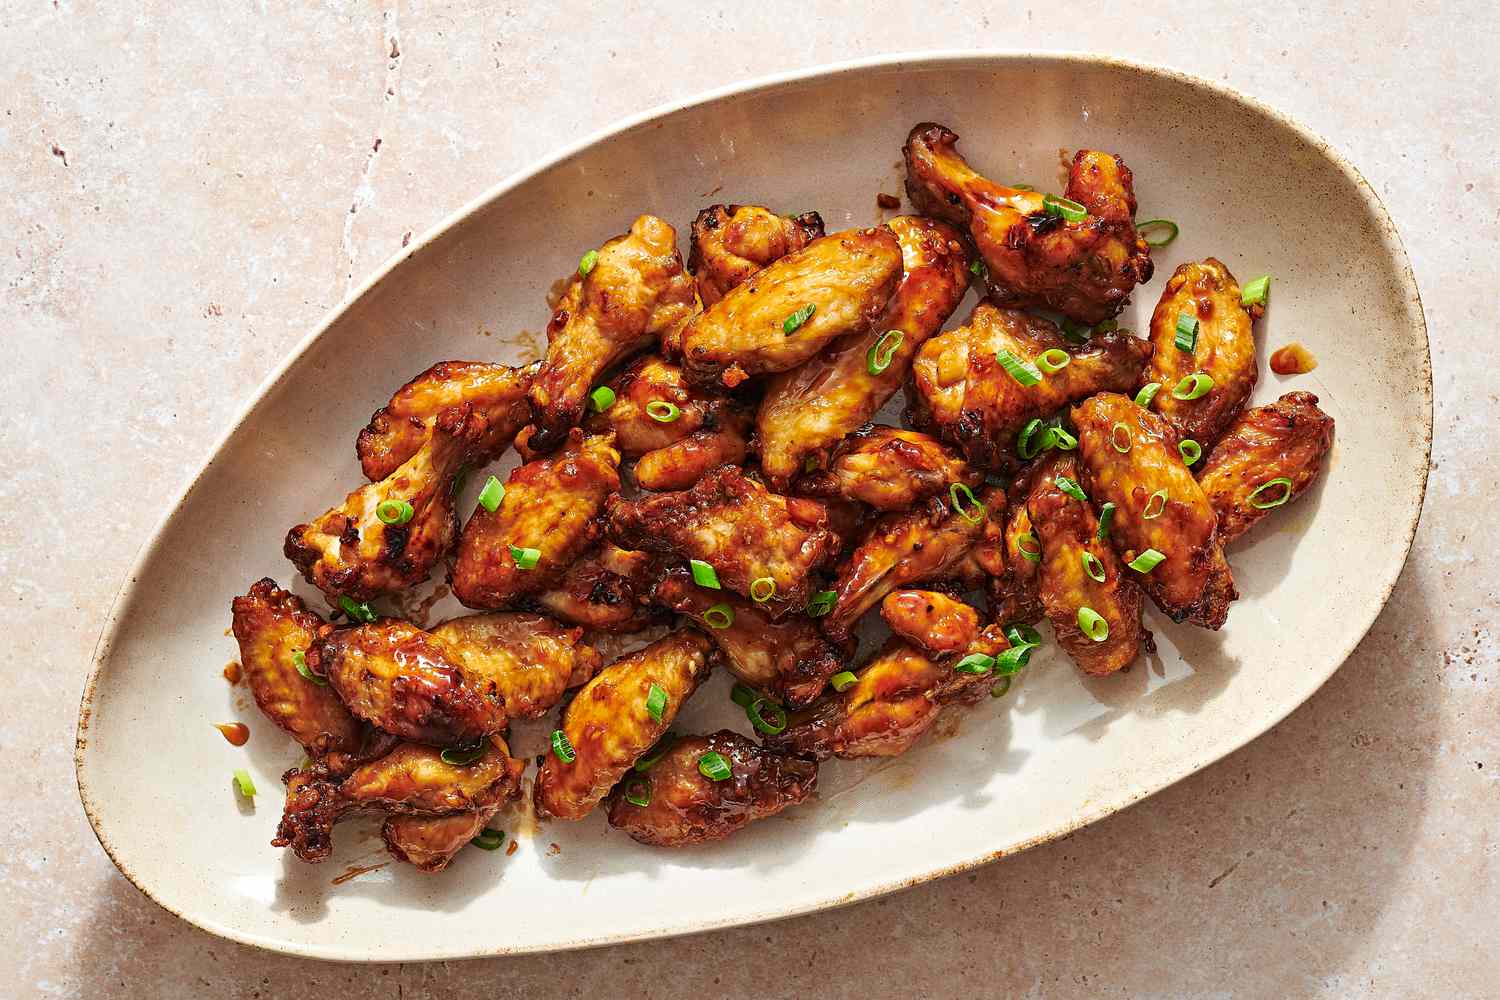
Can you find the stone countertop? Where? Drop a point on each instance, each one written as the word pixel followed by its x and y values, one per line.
pixel 186 191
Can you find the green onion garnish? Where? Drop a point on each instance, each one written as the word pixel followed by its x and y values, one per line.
pixel 1071 488
pixel 525 558
pixel 1067 208
pixel 1190 450
pixel 299 660
pixel 463 756
pixel 656 702
pixel 1107 326
pixel 394 511
pixel 1192 386
pixel 1106 516
pixel 1165 224
pixel 586 263
pixel 1053 360
pixel 1033 554
pixel 1155 505
pixel 1147 394
pixel 359 611
pixel 1093 624
pixel 492 494
pixel 703 574
pixel 821 603
pixel 843 680
pixel 1093 567
pixel 975 663
pixel 767 716
pixel 655 753
pixel 1023 639
pixel 1028 444
pixel 791 323
pixel 662 411
pixel 1074 332
pixel 562 748
pixel 1286 493
pixel 762 589
pixel 878 357
pixel 1001 687
pixel 980 270
pixel 1021 634
pixel 966 504
pixel 720 615
pixel 1186 338
pixel 489 839
pixel 1020 187
pixel 1256 292
pixel 601 399
pixel 1062 440
pixel 638 792
pixel 244 783
pixel 1119 436
pixel 742 694
pixel 1146 561
pixel 713 766
pixel 1023 372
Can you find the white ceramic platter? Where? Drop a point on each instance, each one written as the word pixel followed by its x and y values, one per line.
pixel 1246 185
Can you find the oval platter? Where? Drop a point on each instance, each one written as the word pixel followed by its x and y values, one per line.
pixel 1247 185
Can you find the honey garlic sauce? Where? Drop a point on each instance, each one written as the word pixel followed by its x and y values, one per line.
pixel 237 733
pixel 1293 359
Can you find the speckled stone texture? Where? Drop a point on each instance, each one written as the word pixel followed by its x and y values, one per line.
pixel 186 189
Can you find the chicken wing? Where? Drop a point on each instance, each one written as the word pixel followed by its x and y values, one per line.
pixel 810 409
pixel 1285 440
pixel 531 659
pixel 730 243
pixel 607 590
pixel 889 469
pixel 611 722
pixel 789 660
pixel 1203 300
pixel 901 549
pixel 1012 586
pixel 738 527
pixel 635 291
pixel 1159 505
pixel 271 626
pixel 429 843
pixel 932 621
pixel 403 425
pixel 551 505
pixel 353 551
pixel 1078 571
pixel 962 391
pixel 684 806
pixel 1035 257
pixel 833 286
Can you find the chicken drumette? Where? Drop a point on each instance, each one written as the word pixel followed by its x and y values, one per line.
pixel 889 469
pixel 730 243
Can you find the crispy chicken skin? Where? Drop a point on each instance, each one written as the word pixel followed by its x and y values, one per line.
pixel 730 243
pixel 1225 350
pixel 636 291
pixel 607 590
pixel 737 526
pixel 679 466
pixel 1012 587
pixel 1193 583
pixel 810 409
pixel 429 843
pixel 552 505
pixel 889 469
pixel 930 620
pixel 1285 439
pixel 1084 270
pixel 790 659
pixel 399 428
pixel 687 807
pixel 897 698
pixel 847 278
pixel 350 552
pixel 961 391
pixel 270 625
pixel 530 658
pixel 410 683
pixel 1067 529
pixel 901 549
pixel 609 725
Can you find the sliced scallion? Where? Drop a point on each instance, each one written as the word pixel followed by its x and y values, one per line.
pixel 1029 547
pixel 244 782
pixel 1093 624
pixel 1029 443
pixel 601 399
pixel 394 511
pixel 742 694
pixel 586 263
pixel 878 358
pixel 488 839
pixel 767 716
pixel 357 610
pixel 299 660
pixel 1119 436
pixel 1062 440
pixel 979 270
pixel 463 756
pixel 1166 225
pixel 714 767
pixel 525 558
pixel 975 663
pixel 703 574
pixel 1053 360
pixel 655 753
pixel 965 504
pixel 1071 488
pixel 1147 394
pixel 1193 386
pixel 1065 207
pixel 720 615
pixel 1190 450
pixel 662 411
pixel 1093 567
pixel 656 702
pixel 492 494
pixel 1023 372
pixel 562 748
pixel 1186 337
pixel 821 603
pixel 1286 493
pixel 1106 518
pixel 1155 505
pixel 1075 332
pixel 791 323
pixel 842 680
pixel 638 792
pixel 1001 687
pixel 762 589
pixel 1256 292
pixel 1146 561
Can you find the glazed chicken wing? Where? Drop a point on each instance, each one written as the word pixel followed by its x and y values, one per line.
pixel 808 410
pixel 1084 269
pixel 636 291
pixel 1079 571
pixel 737 526
pixel 398 429
pixel 1285 440
pixel 531 659
pixel 784 315
pixel 730 243
pixel 429 843
pixel 1203 301
pixel 789 660
pixel 1159 505
pixel 684 806
pixel 611 722
pixel 677 431
pixel 930 620
pixel 1012 586
pixel 607 590
pixel 889 469
pixel 551 505
pixel 962 391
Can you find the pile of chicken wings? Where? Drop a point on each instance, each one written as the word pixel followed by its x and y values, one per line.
pixel 698 458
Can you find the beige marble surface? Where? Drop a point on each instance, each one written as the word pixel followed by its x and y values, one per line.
pixel 184 191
